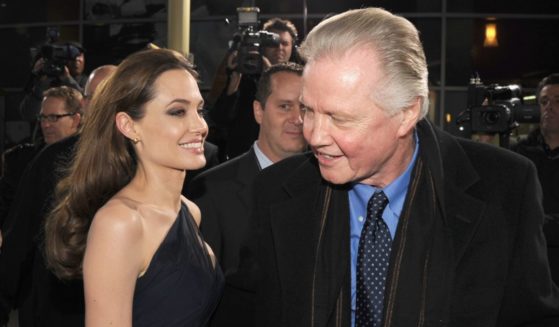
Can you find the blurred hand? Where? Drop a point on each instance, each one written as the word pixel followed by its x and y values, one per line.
pixel 38 67
pixel 266 63
pixel 67 72
pixel 232 62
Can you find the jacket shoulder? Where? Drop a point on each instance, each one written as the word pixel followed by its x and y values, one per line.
pixel 491 156
pixel 222 171
pixel 21 153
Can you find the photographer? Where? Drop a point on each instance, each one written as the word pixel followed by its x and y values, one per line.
pixel 232 111
pixel 54 65
pixel 542 148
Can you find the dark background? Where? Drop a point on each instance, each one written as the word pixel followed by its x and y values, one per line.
pixel 452 33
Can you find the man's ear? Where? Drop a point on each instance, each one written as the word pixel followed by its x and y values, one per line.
pixel 258 111
pixel 126 126
pixel 409 117
pixel 77 120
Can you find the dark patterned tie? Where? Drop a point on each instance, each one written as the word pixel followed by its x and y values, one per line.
pixel 372 264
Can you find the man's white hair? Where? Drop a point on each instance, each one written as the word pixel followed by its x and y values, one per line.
pixel 397 44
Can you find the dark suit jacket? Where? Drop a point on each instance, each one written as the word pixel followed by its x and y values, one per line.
pixel 211 152
pixel 547 164
pixel 469 248
pixel 46 300
pixel 224 196
pixel 15 160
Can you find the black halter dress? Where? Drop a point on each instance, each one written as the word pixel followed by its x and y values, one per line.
pixel 180 287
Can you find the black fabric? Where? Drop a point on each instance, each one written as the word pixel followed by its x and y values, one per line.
pixel 180 287
pixel 24 282
pixel 211 153
pixel 14 161
pixel 234 116
pixel 547 164
pixel 223 195
pixel 546 161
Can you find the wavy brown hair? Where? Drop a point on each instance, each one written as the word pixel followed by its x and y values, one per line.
pixel 104 160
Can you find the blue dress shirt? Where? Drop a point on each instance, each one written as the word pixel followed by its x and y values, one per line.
pixel 359 196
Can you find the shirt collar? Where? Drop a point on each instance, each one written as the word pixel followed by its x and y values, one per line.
pixel 395 191
pixel 263 160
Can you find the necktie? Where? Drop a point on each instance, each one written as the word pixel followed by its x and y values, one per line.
pixel 372 264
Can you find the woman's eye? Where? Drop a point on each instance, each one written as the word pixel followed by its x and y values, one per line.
pixel 177 112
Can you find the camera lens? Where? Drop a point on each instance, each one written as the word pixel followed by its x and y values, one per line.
pixel 492 117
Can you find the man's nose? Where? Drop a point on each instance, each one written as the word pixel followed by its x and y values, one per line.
pixel 319 132
pixel 296 117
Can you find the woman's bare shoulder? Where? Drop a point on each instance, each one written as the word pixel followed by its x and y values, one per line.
pixel 119 216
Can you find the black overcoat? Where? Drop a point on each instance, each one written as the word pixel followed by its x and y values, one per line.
pixel 468 251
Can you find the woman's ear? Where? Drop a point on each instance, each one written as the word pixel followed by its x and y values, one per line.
pixel 126 126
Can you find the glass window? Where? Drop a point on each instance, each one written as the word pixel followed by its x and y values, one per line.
pixel 209 43
pixel 314 7
pixel 37 11
pixel 504 6
pixel 455 104
pixel 115 9
pixel 24 44
pixel 397 6
pixel 527 51
pixel 111 43
pixel 430 35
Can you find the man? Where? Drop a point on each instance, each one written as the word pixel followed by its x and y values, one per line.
pixel 542 148
pixel 231 111
pixel 42 79
pixel 98 75
pixel 390 221
pixel 285 51
pixel 25 283
pixel 60 117
pixel 224 193
pixel 60 114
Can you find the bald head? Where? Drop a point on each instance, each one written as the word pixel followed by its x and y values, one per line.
pixel 97 76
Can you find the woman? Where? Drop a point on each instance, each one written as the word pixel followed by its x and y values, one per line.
pixel 120 216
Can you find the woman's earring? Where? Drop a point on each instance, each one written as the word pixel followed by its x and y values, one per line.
pixel 135 140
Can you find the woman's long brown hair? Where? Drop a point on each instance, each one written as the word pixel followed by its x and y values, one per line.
pixel 104 160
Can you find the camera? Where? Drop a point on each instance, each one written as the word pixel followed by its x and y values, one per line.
pixel 249 42
pixel 56 56
pixel 505 108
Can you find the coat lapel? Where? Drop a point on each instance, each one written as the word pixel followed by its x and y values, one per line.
pixel 453 177
pixel 247 172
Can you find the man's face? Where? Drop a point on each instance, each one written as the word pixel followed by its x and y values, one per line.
pixel 282 53
pixel 281 129
pixel 76 66
pixel 353 139
pixel 61 126
pixel 549 108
